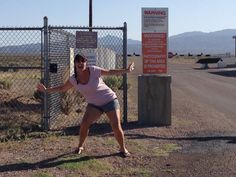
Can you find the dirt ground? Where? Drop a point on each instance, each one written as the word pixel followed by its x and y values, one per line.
pixel 201 142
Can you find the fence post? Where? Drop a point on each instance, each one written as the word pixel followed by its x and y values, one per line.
pixel 125 75
pixel 45 118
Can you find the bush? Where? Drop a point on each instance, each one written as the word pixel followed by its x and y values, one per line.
pixel 113 82
pixel 5 84
pixel 70 101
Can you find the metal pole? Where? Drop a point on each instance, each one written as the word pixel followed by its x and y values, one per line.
pixel 90 14
pixel 125 75
pixel 45 122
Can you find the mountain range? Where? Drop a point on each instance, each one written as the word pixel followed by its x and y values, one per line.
pixel 195 42
pixel 199 42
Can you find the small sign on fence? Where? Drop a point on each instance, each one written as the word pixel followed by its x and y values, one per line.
pixel 86 39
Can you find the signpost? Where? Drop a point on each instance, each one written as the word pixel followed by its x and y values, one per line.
pixel 154 40
pixel 154 91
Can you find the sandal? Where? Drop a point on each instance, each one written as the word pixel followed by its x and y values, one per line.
pixel 79 150
pixel 125 154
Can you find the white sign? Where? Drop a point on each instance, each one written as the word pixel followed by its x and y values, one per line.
pixel 154 20
pixel 91 56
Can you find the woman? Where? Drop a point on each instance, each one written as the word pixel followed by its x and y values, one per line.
pixel 100 98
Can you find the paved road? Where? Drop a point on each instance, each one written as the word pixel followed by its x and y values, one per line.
pixel 208 148
pixel 214 87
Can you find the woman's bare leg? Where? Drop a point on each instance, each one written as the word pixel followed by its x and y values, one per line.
pixel 91 115
pixel 114 117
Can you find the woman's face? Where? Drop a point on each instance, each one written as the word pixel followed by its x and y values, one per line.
pixel 81 64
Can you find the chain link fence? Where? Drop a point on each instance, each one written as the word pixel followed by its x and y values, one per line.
pixel 20 71
pixel 32 55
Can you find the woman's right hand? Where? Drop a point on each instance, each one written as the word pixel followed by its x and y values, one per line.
pixel 40 87
pixel 131 67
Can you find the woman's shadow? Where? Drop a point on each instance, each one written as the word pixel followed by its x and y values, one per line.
pixel 51 162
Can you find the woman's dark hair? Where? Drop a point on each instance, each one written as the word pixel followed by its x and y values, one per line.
pixel 78 58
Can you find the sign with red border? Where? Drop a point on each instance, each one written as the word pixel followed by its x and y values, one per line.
pixel 154 40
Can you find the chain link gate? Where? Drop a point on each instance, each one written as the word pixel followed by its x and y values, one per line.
pixel 67 109
pixel 32 55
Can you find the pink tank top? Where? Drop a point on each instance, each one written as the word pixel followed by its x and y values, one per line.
pixel 95 91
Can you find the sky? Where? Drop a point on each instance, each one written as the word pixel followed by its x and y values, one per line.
pixel 184 15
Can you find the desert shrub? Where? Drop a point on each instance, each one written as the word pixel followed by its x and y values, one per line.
pixel 14 65
pixel 70 101
pixel 5 84
pixel 114 82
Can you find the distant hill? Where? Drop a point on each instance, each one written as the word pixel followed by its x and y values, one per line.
pixel 28 49
pixel 116 43
pixel 196 42
pixel 134 46
pixel 199 42
pixel 190 42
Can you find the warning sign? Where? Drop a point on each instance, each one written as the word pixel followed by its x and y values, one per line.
pixel 154 40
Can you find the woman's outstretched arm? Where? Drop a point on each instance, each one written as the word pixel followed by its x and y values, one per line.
pixel 62 88
pixel 118 71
